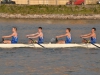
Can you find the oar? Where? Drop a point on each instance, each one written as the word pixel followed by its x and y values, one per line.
pixel 37 43
pixel 2 40
pixel 92 43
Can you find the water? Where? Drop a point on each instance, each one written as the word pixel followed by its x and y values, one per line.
pixel 63 61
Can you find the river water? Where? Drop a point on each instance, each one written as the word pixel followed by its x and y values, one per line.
pixel 63 61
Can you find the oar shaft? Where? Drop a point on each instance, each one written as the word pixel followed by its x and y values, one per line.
pixel 92 43
pixel 37 43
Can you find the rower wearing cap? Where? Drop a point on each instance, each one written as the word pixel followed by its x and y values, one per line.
pixel 14 37
pixel 91 35
pixel 67 35
pixel 38 35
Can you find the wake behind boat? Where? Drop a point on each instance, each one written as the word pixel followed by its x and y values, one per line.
pixel 48 45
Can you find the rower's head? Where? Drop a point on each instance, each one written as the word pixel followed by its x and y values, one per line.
pixel 14 29
pixel 93 29
pixel 68 30
pixel 39 29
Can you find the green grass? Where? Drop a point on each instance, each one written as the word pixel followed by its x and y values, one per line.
pixel 47 9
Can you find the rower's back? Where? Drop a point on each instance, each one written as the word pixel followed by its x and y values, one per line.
pixel 68 37
pixel 15 35
pixel 40 38
pixel 93 37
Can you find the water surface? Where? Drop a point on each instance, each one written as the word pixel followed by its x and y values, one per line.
pixel 63 61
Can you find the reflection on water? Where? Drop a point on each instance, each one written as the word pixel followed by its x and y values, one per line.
pixel 65 61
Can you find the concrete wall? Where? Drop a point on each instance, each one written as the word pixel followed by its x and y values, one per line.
pixel 62 2
pixel 21 1
pixel 91 1
pixel 46 2
pixel 50 2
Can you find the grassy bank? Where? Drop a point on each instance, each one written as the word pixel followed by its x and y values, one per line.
pixel 44 9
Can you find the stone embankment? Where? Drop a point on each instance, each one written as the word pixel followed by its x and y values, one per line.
pixel 49 16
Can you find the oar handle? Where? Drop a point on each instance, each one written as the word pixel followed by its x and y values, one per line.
pixel 2 39
pixel 56 40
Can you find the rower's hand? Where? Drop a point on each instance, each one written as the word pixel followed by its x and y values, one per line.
pixel 57 37
pixel 3 37
pixel 81 36
pixel 27 36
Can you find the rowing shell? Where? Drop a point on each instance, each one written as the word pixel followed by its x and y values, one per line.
pixel 47 45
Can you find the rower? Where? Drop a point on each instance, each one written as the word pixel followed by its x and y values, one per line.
pixel 38 35
pixel 67 35
pixel 14 36
pixel 91 35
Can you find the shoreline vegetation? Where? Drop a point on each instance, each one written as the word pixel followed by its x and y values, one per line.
pixel 50 11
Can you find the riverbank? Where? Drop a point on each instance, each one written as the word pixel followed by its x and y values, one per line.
pixel 49 16
pixel 50 12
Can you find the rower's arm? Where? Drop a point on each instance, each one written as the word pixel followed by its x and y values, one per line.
pixel 61 36
pixel 32 34
pixel 86 35
pixel 8 36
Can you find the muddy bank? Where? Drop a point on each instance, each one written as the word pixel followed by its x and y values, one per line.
pixel 49 16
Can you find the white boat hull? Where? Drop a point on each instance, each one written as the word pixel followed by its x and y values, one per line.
pixel 47 45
